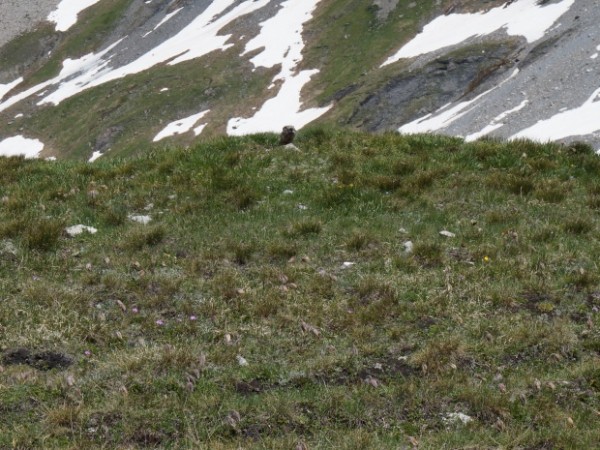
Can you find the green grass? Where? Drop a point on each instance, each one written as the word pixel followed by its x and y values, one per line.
pixel 231 320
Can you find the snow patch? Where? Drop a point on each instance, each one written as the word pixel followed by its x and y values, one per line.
pixel 199 129
pixel 88 65
pixel 65 14
pixel 197 39
pixel 167 18
pixel 574 122
pixel 21 146
pixel 444 116
pixel 521 18
pixel 95 156
pixel 182 126
pixel 441 118
pixel 496 122
pixel 6 88
pixel 281 40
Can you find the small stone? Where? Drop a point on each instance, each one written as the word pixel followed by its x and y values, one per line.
pixel 454 418
pixel 78 229
pixel 8 247
pixel 144 220
pixel 448 234
pixel 408 247
pixel 291 147
pixel 122 305
pixel 242 361
pixel 372 381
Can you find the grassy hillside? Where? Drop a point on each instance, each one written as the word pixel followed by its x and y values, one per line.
pixel 273 300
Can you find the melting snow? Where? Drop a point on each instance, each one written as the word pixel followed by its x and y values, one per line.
pixel 496 122
pixel 19 145
pixel 441 118
pixel 521 18
pixel 281 41
pixel 182 126
pixel 65 14
pixel 445 116
pixel 95 156
pixel 6 88
pixel 88 64
pixel 199 129
pixel 197 39
pixel 574 122
pixel 165 19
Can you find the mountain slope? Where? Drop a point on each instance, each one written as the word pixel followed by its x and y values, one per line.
pixel 131 71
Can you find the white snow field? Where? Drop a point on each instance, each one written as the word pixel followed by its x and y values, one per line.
pixel 574 122
pixel 21 146
pixel 281 40
pixel 522 18
pixel 182 126
pixel 65 14
pixel 6 88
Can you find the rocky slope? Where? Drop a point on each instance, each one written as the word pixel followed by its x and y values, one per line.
pixel 90 78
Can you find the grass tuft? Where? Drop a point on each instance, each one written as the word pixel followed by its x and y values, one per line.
pixel 42 234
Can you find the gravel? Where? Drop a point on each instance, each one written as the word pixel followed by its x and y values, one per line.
pixel 19 16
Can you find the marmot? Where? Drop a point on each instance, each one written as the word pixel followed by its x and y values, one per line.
pixel 287 135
